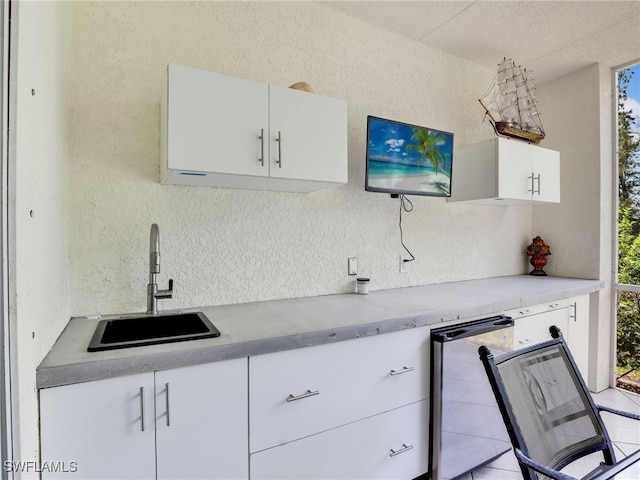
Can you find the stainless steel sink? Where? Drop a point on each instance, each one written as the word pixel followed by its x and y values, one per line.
pixel 151 330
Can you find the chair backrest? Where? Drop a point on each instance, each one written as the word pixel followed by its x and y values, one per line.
pixel 546 406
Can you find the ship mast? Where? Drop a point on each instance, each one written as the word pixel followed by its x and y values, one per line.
pixel 510 103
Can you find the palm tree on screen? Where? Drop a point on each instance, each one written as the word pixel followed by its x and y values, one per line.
pixel 426 144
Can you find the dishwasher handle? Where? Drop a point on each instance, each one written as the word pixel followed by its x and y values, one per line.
pixel 478 327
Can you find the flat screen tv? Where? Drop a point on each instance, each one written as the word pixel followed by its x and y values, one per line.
pixel 407 159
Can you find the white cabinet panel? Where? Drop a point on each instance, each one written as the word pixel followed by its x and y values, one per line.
pixel 224 131
pixel 214 122
pixel 99 426
pixel 301 392
pixel 312 143
pixel 201 421
pixel 390 445
pixel 578 332
pixel 535 328
pixel 571 315
pixel 504 171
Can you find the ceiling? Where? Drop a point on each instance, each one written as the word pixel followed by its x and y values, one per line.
pixel 550 38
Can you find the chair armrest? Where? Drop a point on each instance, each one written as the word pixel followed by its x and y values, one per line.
pixel 619 466
pixel 549 472
pixel 615 411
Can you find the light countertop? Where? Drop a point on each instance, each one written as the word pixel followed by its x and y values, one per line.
pixel 263 327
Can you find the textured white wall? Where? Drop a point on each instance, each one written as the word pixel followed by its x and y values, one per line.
pixel 571 113
pixel 40 299
pixel 227 246
pixel 578 115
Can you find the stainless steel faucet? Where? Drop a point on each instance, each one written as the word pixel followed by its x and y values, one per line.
pixel 153 294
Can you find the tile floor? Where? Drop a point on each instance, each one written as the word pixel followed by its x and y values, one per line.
pixel 625 433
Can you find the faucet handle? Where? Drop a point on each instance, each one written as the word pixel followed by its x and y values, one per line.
pixel 168 293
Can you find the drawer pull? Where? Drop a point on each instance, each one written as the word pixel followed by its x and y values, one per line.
pixel 308 393
pixel 166 399
pixel 142 409
pixel 404 448
pixel 261 137
pixel 525 341
pixel 279 140
pixel 404 370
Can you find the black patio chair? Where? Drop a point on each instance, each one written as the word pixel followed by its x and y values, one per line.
pixel 549 413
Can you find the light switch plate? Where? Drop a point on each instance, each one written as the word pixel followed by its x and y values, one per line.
pixel 352 265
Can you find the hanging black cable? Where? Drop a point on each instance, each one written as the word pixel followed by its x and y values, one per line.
pixel 407 206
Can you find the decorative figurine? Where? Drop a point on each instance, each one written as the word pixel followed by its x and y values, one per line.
pixel 538 251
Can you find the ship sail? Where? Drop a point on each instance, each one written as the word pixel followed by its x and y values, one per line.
pixel 510 103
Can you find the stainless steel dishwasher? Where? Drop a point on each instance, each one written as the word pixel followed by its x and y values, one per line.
pixel 465 426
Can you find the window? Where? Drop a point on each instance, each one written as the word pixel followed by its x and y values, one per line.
pixel 628 268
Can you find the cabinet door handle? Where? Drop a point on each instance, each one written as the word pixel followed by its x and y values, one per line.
pixel 538 180
pixel 402 370
pixel 405 448
pixel 279 140
pixel 308 393
pixel 166 399
pixel 532 178
pixel 142 409
pixel 261 137
pixel 574 316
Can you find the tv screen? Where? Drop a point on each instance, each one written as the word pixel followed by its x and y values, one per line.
pixel 408 159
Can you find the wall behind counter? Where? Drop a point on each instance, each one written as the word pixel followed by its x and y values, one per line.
pixel 226 246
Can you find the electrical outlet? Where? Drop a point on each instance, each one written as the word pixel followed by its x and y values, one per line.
pixel 352 265
pixel 404 263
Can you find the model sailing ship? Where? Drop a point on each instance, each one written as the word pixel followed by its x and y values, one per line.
pixel 511 105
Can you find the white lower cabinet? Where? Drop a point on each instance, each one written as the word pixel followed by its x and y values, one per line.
pixel 532 325
pixel 184 423
pixel 392 444
pixel 99 427
pixel 570 315
pixel 578 332
pixel 338 410
pixel 301 392
pixel 201 421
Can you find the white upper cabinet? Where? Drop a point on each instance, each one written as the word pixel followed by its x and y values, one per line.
pixel 503 171
pixel 214 123
pixel 225 131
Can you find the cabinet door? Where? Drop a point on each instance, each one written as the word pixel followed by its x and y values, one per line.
pixel 546 168
pixel 515 174
pixel 308 136
pixel 390 445
pixel 534 328
pixel 105 427
pixel 578 333
pixel 215 121
pixel 202 421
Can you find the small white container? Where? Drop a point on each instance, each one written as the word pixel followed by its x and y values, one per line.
pixel 362 286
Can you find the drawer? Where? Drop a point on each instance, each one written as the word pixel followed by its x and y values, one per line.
pixel 301 392
pixel 393 444
pixel 536 309
pixel 533 329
